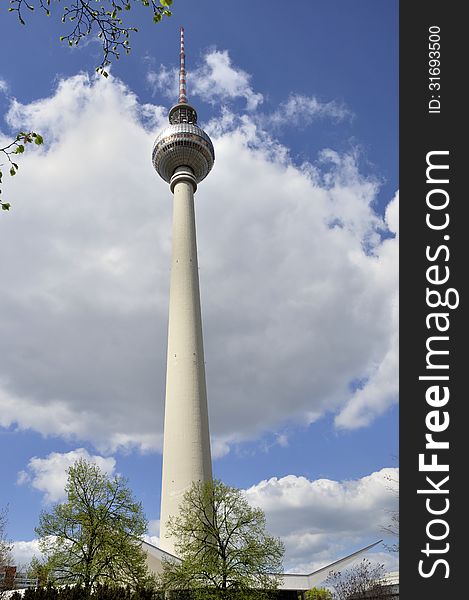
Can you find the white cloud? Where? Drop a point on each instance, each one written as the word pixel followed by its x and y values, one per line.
pixel 153 536
pixel 3 86
pixel 24 551
pixel 49 475
pixel 382 385
pixel 323 520
pixel 298 289
pixel 282 440
pixel 154 527
pixel 216 80
pixel 220 447
pixel 164 81
pixel 392 215
pixel 320 521
pixel 302 110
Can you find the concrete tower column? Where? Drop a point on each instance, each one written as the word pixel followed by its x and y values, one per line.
pixel 186 448
pixel 183 156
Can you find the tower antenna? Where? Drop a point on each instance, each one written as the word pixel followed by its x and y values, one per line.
pixel 182 72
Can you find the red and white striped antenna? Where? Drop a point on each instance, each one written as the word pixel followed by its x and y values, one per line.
pixel 182 72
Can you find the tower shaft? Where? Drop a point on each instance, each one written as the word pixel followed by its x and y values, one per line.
pixel 186 448
pixel 183 156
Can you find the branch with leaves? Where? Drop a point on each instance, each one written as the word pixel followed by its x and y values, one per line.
pixel 87 17
pixel 94 536
pixel 224 548
pixel 17 146
pixel 102 17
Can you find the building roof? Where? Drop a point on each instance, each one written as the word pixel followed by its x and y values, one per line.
pixel 291 581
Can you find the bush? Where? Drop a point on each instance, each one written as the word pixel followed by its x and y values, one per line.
pixel 101 592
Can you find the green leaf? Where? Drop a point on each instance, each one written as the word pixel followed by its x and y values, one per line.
pixel 6 206
pixel 157 18
pixel 114 519
pixel 19 149
pixel 166 2
pixel 12 171
pixel 38 139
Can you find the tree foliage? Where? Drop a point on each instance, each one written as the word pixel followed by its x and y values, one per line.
pixel 40 571
pixel 85 18
pixel 364 580
pixel 102 17
pixel 5 551
pixel 93 537
pixel 5 544
pixel 11 150
pixel 224 549
pixel 318 594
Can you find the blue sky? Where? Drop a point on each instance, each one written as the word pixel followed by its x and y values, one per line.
pixel 298 262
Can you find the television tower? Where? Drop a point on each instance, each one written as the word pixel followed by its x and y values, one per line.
pixel 183 156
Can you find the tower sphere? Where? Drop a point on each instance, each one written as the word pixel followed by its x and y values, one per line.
pixel 183 144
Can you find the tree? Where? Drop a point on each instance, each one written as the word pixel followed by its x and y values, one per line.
pixel 318 594
pixel 40 570
pixel 392 527
pixel 5 544
pixel 86 17
pixel 364 580
pixel 224 549
pixel 5 553
pixel 93 537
